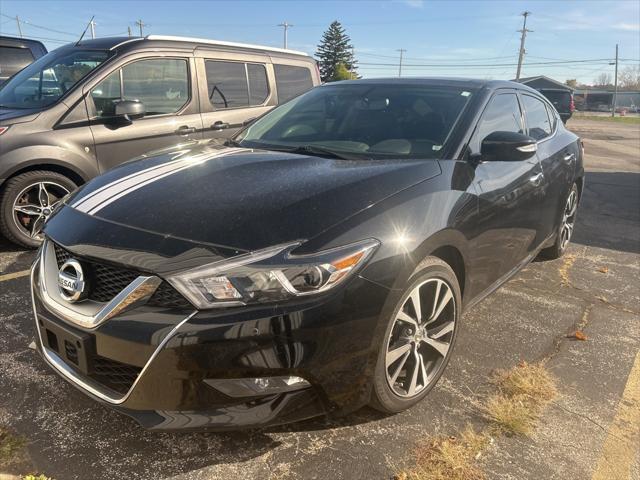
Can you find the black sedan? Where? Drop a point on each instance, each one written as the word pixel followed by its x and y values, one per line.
pixel 318 262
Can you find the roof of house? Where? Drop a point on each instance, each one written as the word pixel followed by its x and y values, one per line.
pixel 560 85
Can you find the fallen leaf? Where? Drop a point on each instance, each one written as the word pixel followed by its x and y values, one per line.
pixel 578 335
pixel 603 269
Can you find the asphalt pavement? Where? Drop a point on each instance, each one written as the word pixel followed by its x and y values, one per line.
pixel 589 432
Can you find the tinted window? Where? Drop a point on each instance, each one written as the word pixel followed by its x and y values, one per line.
pixel 161 84
pixel 501 115
pixel 372 121
pixel 258 86
pixel 44 81
pixel 292 81
pixel 13 59
pixel 537 119
pixel 227 82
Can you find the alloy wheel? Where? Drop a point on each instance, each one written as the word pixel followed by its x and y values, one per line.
pixel 568 219
pixel 420 338
pixel 34 204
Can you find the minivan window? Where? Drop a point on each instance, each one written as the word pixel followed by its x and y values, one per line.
pixel 236 84
pixel 363 120
pixel 162 85
pixel 44 81
pixel 538 122
pixel 14 59
pixel 501 115
pixel 291 81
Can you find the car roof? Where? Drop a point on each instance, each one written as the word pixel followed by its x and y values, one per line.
pixel 6 41
pixel 113 43
pixel 470 83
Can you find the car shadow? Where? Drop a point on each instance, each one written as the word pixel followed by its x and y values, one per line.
pixel 609 212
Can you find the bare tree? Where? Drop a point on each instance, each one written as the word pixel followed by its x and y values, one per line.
pixel 629 78
pixel 603 80
pixel 571 82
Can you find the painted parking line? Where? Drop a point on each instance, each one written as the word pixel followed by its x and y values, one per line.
pixel 11 276
pixel 622 445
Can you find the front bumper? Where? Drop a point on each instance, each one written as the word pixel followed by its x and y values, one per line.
pixel 331 342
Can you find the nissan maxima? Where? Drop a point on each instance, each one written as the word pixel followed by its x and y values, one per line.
pixel 318 262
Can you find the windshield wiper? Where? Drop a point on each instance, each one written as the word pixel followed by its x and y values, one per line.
pixel 231 143
pixel 320 151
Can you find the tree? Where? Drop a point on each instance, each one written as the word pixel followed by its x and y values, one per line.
pixel 335 48
pixel 602 80
pixel 571 82
pixel 629 78
pixel 342 73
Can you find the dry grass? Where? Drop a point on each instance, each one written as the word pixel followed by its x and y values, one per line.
pixel 11 447
pixel 448 458
pixel 523 392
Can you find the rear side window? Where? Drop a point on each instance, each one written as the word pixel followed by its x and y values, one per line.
pixel 161 84
pixel 13 60
pixel 292 81
pixel 236 84
pixel 501 115
pixel 538 123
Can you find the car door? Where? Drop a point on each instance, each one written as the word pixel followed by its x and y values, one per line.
pixel 233 90
pixel 509 194
pixel 164 86
pixel 556 156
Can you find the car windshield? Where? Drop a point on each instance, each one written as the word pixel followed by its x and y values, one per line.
pixel 44 81
pixel 362 120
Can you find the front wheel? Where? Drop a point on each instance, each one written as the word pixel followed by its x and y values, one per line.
pixel 565 230
pixel 27 201
pixel 419 338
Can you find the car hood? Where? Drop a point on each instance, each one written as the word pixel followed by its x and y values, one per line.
pixel 240 198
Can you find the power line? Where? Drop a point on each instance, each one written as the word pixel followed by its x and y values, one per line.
pixel 26 22
pixel 436 65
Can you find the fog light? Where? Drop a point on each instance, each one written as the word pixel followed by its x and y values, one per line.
pixel 250 387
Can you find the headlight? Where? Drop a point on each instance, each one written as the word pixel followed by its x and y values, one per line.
pixel 271 275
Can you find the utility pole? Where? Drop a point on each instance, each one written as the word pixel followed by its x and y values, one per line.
pixel 522 38
pixel 286 26
pixel 401 50
pixel 615 85
pixel 140 24
pixel 92 24
pixel 129 30
pixel 19 26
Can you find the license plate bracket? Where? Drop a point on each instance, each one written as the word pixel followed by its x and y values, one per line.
pixel 74 347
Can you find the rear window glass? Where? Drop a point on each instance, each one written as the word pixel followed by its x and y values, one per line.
pixel 292 81
pixel 236 84
pixel 13 59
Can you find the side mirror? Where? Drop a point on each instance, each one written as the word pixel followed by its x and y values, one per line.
pixel 129 110
pixel 508 147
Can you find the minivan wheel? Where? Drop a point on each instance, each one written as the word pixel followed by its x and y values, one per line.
pixel 565 229
pixel 27 201
pixel 419 338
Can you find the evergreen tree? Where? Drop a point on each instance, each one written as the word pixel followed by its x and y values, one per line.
pixel 334 49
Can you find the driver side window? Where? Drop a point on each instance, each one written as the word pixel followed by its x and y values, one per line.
pixel 501 115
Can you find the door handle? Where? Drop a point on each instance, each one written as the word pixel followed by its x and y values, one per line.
pixel 219 126
pixel 569 157
pixel 536 179
pixel 185 130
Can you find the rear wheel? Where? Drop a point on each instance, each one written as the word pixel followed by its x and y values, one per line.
pixel 419 338
pixel 565 230
pixel 27 201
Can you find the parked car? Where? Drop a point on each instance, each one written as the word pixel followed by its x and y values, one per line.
pixel 562 100
pixel 319 261
pixel 17 53
pixel 87 107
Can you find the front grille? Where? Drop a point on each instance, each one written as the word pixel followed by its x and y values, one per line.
pixel 114 375
pixel 109 280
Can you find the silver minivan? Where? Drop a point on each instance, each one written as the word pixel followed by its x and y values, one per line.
pixel 86 107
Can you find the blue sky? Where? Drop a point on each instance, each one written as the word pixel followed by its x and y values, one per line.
pixel 446 33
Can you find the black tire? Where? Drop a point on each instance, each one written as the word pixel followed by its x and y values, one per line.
pixel 383 397
pixel 559 247
pixel 15 187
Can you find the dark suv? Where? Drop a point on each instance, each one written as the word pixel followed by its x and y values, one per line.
pixel 88 106
pixel 17 53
